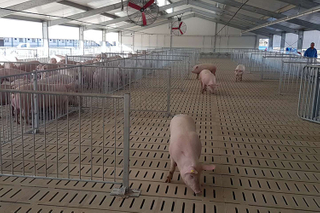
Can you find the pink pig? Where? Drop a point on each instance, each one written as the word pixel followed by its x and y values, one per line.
pixel 208 80
pixel 185 151
pixel 239 72
pixel 198 68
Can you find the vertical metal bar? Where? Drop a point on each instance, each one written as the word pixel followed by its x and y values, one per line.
pixel 57 132
pixel 315 95
pixel 35 104
pixel 281 78
pixel 68 136
pixel 11 144
pixel 91 140
pixel 79 137
pixel 126 141
pixel 103 137
pixel 45 136
pixel 1 142
pixel 115 139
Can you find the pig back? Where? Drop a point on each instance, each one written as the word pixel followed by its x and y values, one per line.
pixel 182 123
pixel 184 139
pixel 240 67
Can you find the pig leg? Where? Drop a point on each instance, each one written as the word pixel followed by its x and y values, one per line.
pixel 171 171
pixel 197 76
pixel 241 78
pixel 204 88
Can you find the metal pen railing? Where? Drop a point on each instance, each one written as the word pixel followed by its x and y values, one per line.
pixel 309 95
pixel 64 149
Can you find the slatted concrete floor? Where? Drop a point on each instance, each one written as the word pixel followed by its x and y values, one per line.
pixel 267 158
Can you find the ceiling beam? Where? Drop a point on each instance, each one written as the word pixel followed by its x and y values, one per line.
pixel 85 8
pixel 250 8
pixel 239 23
pixel 192 15
pixel 264 12
pixel 304 13
pixel 301 3
pixel 24 6
pixel 167 16
pixel 239 16
pixel 126 18
pixel 85 14
pixel 229 24
pixel 26 18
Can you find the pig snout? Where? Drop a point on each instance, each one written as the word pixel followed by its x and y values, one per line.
pixel 193 181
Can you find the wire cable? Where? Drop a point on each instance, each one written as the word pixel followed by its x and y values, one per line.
pixel 232 17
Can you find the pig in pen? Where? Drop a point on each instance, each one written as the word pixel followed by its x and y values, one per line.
pixel 84 143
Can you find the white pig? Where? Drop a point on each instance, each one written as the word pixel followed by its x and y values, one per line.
pixel 198 68
pixel 240 69
pixel 185 151
pixel 23 100
pixel 29 66
pixel 208 81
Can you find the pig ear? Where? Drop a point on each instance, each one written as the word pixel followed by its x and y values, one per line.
pixel 208 167
pixel 197 67
pixel 192 171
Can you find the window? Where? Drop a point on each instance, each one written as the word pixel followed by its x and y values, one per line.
pixel 263 44
pixel 20 39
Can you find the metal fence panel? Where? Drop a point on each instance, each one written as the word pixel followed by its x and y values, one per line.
pixel 309 96
pixel 77 142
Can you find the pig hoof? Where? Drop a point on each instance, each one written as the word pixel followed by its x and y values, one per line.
pixel 168 180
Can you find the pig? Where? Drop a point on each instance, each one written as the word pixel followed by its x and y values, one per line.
pixel 9 65
pixel 5 96
pixel 208 81
pixel 240 69
pixel 47 67
pixel 19 82
pixel 53 61
pixel 114 58
pixel 185 151
pixel 87 75
pixel 24 100
pixel 7 72
pixel 56 79
pixel 63 61
pixel 107 77
pixel 87 62
pixel 28 66
pixel 198 68
pixel 101 56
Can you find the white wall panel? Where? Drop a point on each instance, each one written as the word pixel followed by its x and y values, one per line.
pixel 242 42
pixel 276 41
pixel 199 35
pixel 207 42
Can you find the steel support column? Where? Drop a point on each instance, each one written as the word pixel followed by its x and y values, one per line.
pixel 283 41
pixel 300 40
pixel 270 47
pixel 81 40
pixel 45 38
